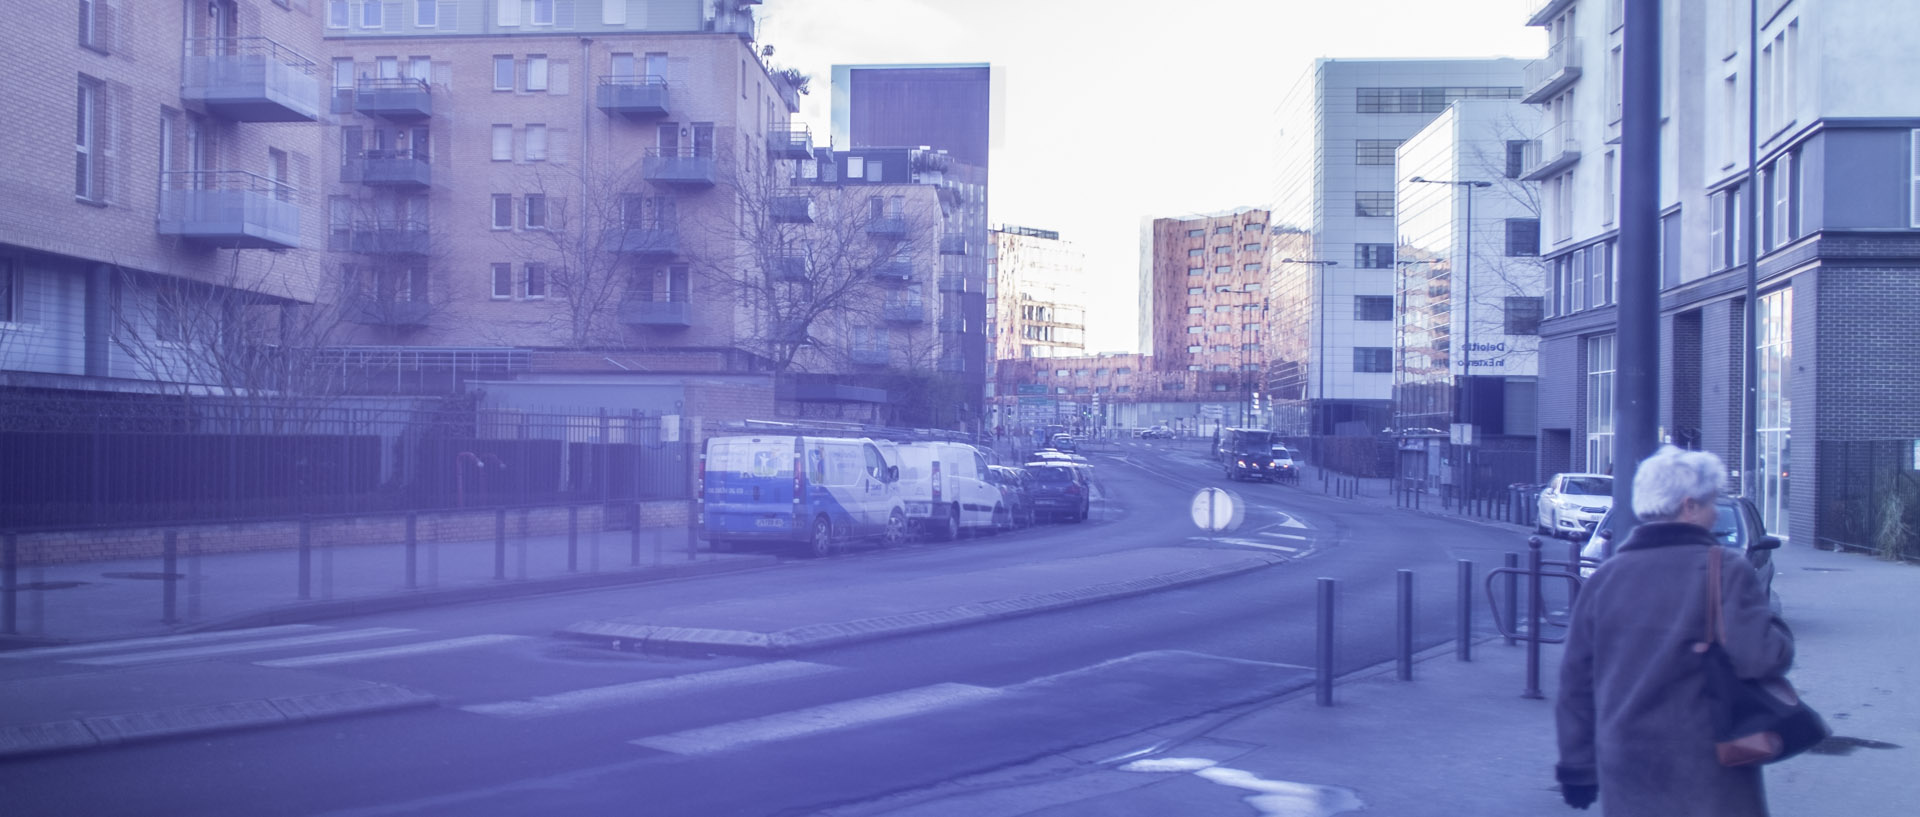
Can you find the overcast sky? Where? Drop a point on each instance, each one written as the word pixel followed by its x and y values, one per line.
pixel 1115 110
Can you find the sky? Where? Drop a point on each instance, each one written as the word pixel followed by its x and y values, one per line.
pixel 1114 111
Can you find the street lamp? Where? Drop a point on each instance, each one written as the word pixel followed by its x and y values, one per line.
pixel 1463 409
pixel 1320 320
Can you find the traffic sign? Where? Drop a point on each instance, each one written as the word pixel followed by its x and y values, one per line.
pixel 1215 509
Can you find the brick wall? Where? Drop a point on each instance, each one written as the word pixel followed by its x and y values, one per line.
pixel 1680 401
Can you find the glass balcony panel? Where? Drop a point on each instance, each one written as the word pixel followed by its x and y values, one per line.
pixel 639 97
pixel 396 98
pixel 250 79
pixel 678 166
pixel 228 208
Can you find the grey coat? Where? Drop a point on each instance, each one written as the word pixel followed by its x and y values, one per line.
pixel 1632 713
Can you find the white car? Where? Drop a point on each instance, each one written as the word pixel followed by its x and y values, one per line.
pixel 1572 504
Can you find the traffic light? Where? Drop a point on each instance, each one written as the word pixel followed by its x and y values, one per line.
pixel 1256 402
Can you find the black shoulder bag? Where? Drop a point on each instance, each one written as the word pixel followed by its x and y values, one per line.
pixel 1754 721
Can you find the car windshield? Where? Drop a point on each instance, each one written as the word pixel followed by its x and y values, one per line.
pixel 1052 474
pixel 1588 486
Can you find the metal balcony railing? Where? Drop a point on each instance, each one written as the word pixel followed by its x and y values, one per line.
pixel 792 267
pixel 869 355
pixel 1557 149
pixel 953 245
pixel 388 168
pixel 893 227
pixel 250 79
pixel 228 208
pixel 634 97
pixel 896 272
pixel 795 142
pixel 793 209
pixel 688 167
pixel 396 98
pixel 403 237
pixel 904 312
pixel 1547 78
pixel 953 283
pixel 1542 12
pixel 655 309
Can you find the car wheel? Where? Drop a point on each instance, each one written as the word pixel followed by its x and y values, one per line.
pixel 952 531
pixel 1002 518
pixel 822 542
pixel 896 533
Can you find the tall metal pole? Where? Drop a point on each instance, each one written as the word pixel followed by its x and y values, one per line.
pixel 1750 331
pixel 1465 409
pixel 1637 335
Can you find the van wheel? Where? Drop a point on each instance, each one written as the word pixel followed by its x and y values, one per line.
pixel 952 530
pixel 896 530
pixel 822 542
pixel 722 546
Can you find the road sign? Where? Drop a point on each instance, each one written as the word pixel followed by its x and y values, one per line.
pixel 1214 509
pixel 1030 388
pixel 1036 401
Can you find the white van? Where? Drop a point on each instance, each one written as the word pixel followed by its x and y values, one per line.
pixel 945 487
pixel 819 493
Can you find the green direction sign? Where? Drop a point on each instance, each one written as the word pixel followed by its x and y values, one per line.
pixel 1036 401
pixel 1030 388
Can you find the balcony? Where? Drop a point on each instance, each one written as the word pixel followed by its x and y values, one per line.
pixel 1547 78
pixel 894 272
pixel 953 245
pixel 385 311
pixel 670 312
pixel 792 209
pixel 1555 151
pixel 792 268
pixel 228 208
pixel 1543 11
pixel 406 238
pixel 250 79
pixel 400 99
pixel 951 364
pixel 645 240
pixel 953 283
pixel 388 168
pixel 952 323
pixel 681 167
pixel 790 143
pixel 904 312
pixel 642 97
pixel 869 355
pixel 888 227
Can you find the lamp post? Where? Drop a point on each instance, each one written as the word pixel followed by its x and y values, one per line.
pixel 1319 320
pixel 1463 408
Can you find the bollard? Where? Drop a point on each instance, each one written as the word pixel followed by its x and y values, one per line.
pixel 1463 650
pixel 169 562
pixel 1403 629
pixel 1323 645
pixel 306 557
pixel 194 577
pixel 573 538
pixel 413 550
pixel 500 544
pixel 1511 561
pixel 520 546
pixel 634 556
pixel 1533 619
pixel 9 583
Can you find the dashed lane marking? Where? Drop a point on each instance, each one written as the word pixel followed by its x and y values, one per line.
pixel 1278 535
pixel 157 656
pixel 443 645
pixel 819 719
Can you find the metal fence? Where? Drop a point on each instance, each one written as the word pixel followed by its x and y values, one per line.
pixel 88 461
pixel 1869 496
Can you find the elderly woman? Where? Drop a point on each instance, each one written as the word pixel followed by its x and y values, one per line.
pixel 1634 725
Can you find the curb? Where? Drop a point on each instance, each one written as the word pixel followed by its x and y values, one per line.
pixel 670 639
pixel 81 734
pixel 318 610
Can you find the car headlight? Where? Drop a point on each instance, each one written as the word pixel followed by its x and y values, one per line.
pixel 1241 463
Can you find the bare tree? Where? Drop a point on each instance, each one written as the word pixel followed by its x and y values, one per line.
pixel 580 230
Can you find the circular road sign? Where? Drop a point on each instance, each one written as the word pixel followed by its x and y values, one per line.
pixel 1215 509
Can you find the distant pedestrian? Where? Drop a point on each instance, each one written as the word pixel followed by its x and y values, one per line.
pixel 1634 724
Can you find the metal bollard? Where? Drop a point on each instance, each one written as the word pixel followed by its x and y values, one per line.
pixel 1533 619
pixel 1511 561
pixel 413 550
pixel 634 560
pixel 169 562
pixel 1403 630
pixel 1463 649
pixel 1323 644
pixel 573 538
pixel 10 583
pixel 500 544
pixel 306 557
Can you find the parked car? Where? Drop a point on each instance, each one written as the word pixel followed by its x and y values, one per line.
pixel 1737 526
pixel 1157 433
pixel 819 493
pixel 1063 442
pixel 1572 503
pixel 1016 492
pixel 1061 490
pixel 944 487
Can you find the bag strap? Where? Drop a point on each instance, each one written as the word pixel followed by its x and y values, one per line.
pixel 1716 627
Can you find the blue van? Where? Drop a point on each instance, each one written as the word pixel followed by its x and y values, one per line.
pixel 818 493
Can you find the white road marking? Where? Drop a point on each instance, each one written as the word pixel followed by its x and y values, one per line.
pixel 819 719
pixel 1252 544
pixel 1279 535
pixel 251 646
pixel 443 645
pixel 1292 523
pixel 581 700
pixel 156 641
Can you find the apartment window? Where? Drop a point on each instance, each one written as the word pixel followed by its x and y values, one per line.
pixel 1250 307
pixel 1425 99
pixel 1599 406
pixel 1060 373
pixel 1516 158
pixel 342 73
pixel 503 143
pixel 1222 250
pixel 1195 290
pixel 1122 389
pixel 1250 248
pixel 1249 327
pixel 86 143
pixel 1250 288
pixel 536 72
pixel 1224 229
pixel 1196 252
pixel 535 205
pixel 502 281
pixel 1373 307
pixel 1195 310
pixel 1780 184
pixel 1223 327
pixel 1250 268
pixel 371 16
pixel 1670 249
pixel 536 282
pixel 166 316
pixel 503 69
pixel 1191 330
pixel 1196 233
pixel 1523 237
pixel 1222 270
pixel 92 31
pixel 426 13
pixel 1372 359
pixel 337 14
pixel 1523 315
pixel 502 211
pixel 1373 256
pixel 1223 308
pixel 1373 204
pixel 1124 370
pixel 1609 182
pixel 536 143
pixel 1223 288
pixel 1374 151
pixel 542 12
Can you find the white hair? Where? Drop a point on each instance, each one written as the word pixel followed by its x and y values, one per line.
pixel 1671 477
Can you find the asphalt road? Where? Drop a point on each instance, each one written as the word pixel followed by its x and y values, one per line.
pixel 533 725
